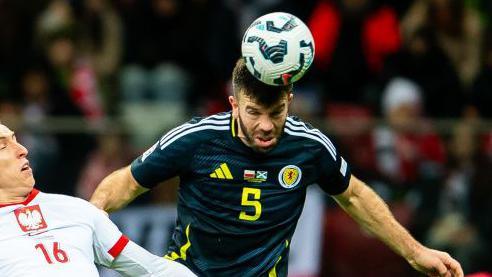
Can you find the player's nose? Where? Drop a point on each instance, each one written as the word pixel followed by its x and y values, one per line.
pixel 21 150
pixel 265 124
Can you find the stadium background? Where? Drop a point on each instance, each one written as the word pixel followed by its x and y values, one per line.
pixel 403 86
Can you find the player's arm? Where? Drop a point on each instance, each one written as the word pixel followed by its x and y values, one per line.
pixel 372 213
pixel 136 261
pixel 117 190
pixel 114 250
pixel 164 160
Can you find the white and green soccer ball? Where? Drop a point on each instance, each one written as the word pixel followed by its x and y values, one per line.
pixel 278 48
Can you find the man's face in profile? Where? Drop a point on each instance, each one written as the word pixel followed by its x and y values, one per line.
pixel 14 166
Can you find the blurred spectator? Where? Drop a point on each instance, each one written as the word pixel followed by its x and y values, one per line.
pixel 73 75
pixel 423 61
pixel 352 38
pixel 410 155
pixel 457 29
pixel 453 230
pixel 100 42
pixel 407 148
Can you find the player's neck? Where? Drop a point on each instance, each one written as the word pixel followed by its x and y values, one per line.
pixel 13 196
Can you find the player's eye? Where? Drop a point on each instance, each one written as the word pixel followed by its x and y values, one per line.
pixel 253 112
pixel 276 113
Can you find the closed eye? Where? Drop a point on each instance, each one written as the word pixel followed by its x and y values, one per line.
pixel 275 114
pixel 252 112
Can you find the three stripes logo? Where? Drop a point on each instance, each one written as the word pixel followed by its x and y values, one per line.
pixel 222 172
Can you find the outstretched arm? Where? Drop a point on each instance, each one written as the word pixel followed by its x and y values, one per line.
pixel 116 190
pixel 114 250
pixel 372 213
pixel 136 261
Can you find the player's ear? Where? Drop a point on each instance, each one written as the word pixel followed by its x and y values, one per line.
pixel 234 106
pixel 290 97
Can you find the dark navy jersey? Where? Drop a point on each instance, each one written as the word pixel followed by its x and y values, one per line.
pixel 237 208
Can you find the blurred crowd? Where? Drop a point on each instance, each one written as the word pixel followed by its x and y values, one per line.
pixel 403 86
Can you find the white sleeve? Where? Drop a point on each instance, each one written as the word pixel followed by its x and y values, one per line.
pixel 114 250
pixel 108 240
pixel 136 261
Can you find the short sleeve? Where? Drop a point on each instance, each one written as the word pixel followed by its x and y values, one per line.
pixel 108 240
pixel 334 171
pixel 167 158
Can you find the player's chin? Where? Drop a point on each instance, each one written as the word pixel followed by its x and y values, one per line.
pixel 28 179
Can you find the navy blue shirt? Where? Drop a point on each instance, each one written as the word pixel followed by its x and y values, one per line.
pixel 237 208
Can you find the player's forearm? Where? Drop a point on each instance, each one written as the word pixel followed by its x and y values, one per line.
pixel 372 213
pixel 136 261
pixel 116 191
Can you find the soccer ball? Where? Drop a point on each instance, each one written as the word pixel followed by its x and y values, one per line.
pixel 278 48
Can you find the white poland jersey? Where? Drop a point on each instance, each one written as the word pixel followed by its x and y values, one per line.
pixel 56 235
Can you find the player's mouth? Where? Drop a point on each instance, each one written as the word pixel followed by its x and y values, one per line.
pixel 264 142
pixel 26 168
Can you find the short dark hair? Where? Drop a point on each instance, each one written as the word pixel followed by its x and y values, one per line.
pixel 243 81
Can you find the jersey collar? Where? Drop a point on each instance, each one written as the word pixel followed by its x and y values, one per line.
pixel 26 201
pixel 234 128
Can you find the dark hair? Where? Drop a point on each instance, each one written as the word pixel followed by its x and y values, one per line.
pixel 243 81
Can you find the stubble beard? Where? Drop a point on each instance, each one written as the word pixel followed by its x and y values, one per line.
pixel 249 140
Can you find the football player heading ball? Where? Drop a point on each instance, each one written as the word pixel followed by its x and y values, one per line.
pixel 244 173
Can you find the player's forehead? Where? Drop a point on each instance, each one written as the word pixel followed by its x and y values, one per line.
pixel 251 102
pixel 5 131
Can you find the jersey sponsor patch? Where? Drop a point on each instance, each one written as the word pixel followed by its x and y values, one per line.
pixel 30 218
pixel 289 176
pixel 255 176
pixel 222 172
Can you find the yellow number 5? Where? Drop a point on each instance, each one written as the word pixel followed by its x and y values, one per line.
pixel 251 203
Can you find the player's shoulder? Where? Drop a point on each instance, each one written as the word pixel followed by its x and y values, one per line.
pixel 66 201
pixel 295 126
pixel 199 129
pixel 293 120
pixel 214 120
pixel 298 129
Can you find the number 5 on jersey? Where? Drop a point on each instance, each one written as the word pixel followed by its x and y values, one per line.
pixel 251 193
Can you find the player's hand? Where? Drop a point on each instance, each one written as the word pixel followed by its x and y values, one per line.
pixel 436 263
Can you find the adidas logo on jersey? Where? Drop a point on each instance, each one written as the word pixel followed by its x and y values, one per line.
pixel 222 172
